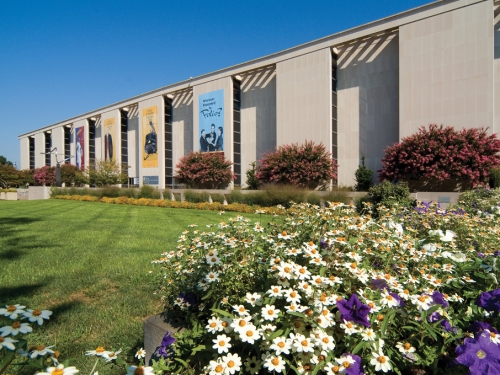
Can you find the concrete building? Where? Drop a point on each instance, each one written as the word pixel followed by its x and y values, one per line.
pixel 357 92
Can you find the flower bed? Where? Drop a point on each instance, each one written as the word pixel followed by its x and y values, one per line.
pixel 329 291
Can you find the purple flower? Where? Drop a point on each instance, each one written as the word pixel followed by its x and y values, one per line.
pixel 398 299
pixel 380 284
pixel 355 368
pixel 478 327
pixel 480 355
pixel 434 317
pixel 438 299
pixel 323 244
pixel 446 325
pixel 490 301
pixel 164 349
pixel 480 255
pixel 354 311
pixel 189 297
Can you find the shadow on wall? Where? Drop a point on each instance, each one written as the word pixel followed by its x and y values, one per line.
pixel 183 111
pixel 368 78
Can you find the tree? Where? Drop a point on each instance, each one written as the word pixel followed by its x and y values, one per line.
pixel 204 170
pixel 71 175
pixel 11 177
pixel 4 161
pixel 252 182
pixel 45 176
pixel 442 153
pixel 308 165
pixel 105 173
pixel 363 177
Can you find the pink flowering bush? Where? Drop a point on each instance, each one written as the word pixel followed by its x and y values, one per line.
pixel 442 153
pixel 204 170
pixel 308 165
pixel 45 176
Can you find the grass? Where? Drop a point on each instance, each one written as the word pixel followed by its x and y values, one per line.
pixel 88 263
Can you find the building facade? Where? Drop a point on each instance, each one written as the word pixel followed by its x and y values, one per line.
pixel 357 92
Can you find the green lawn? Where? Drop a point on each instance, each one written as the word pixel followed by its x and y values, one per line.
pixel 88 263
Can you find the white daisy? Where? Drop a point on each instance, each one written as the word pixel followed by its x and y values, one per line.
pixel 212 277
pixel 275 291
pixel 61 370
pixel 222 344
pixel 132 370
pixel 232 363
pixel 273 362
pixel 380 361
pixel 7 342
pixel 302 344
pixel 99 352
pixel 405 348
pixel 270 312
pixel 141 353
pixel 253 299
pixel 15 328
pixel 325 341
pixel 368 334
pixel 349 327
pixel 281 345
pixel 40 351
pixel 111 356
pixel 249 334
pixel 214 325
pixel 37 315
pixel 240 309
pixel 12 311
pixel 241 323
pixel 292 296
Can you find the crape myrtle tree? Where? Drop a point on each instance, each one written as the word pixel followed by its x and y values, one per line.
pixel 204 170
pixel 442 153
pixel 308 165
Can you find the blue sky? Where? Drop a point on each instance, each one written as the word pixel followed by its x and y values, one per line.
pixel 62 58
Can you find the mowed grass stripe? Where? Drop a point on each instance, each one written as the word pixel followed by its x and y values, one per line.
pixel 88 262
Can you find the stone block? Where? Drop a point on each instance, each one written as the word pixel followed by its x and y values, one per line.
pixel 155 328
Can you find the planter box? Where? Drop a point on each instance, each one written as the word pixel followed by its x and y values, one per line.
pixel 433 185
pixel 11 195
pixel 2 195
pixel 155 328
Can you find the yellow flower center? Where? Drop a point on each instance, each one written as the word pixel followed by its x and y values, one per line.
pixel 302 270
pixel 346 364
pixel 242 323
pixel 39 348
pixel 224 324
pixel 353 266
pixel 100 349
pixel 213 324
pixel 281 344
pixel 275 361
pixel 36 313
pixel 326 340
pixel 287 269
pixel 242 309
pixel 11 308
pixel 230 364
pixel 348 325
pixel 493 334
pixel 16 325
pixel 58 371
pixel 1 339
pixel 481 354
pixel 284 233
pixel 249 333
pixel 304 342
pixel 270 312
pixel 138 371
pixel 293 294
pixel 222 343
pixel 219 369
pixel 389 297
pixel 335 369
pixel 407 345
pixel 381 359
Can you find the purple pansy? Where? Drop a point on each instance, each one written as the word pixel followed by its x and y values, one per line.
pixel 189 297
pixel 478 327
pixel 438 299
pixel 380 284
pixel 434 317
pixel 354 311
pixel 490 301
pixel 165 344
pixel 398 299
pixel 480 355
pixel 355 368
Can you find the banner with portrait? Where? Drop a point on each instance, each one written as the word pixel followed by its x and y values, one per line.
pixel 150 137
pixel 211 121
pixel 80 147
pixel 109 129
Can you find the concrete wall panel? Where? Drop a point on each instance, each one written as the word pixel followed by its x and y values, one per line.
pixel 182 124
pixel 25 153
pixel 446 70
pixel 496 52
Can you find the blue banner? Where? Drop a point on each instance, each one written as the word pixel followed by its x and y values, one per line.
pixel 211 121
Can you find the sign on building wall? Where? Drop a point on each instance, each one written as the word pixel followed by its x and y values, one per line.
pixel 149 137
pixel 80 147
pixel 109 139
pixel 211 121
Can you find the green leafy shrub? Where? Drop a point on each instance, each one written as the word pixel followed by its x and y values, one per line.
pixel 219 198
pixel 194 197
pixel 148 191
pixel 495 178
pixel 204 170
pixel 252 182
pixel 388 195
pixel 363 177
pixel 308 166
pixel 480 200
pixel 106 173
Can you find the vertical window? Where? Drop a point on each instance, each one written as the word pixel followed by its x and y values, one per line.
pixel 91 141
pixel 124 135
pixel 32 152
pixel 67 144
pixel 48 147
pixel 169 162
pixel 237 131
pixel 334 111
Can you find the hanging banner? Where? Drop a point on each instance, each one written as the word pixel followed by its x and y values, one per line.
pixel 80 147
pixel 211 121
pixel 149 137
pixel 109 139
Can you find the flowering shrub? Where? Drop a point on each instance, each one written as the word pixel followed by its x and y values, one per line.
pixel 331 292
pixel 308 165
pixel 204 170
pixel 45 176
pixel 481 201
pixel 442 153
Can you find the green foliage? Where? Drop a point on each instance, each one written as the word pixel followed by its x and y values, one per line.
pixel 252 182
pixel 71 175
pixel 386 194
pixel 147 191
pixel 194 197
pixel 106 173
pixel 363 177
pixel 204 170
pixel 480 200
pixel 11 177
pixel 4 161
pixel 495 178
